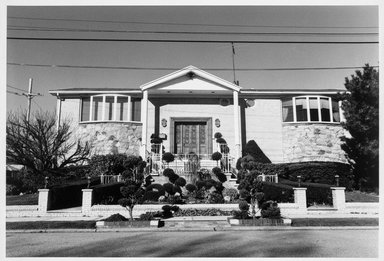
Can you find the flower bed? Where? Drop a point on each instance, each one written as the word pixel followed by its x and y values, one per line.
pixel 260 222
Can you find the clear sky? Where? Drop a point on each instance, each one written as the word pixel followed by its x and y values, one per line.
pixel 59 21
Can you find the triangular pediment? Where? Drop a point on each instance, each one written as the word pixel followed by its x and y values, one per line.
pixel 192 79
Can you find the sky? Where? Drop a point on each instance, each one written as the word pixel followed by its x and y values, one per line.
pixel 44 60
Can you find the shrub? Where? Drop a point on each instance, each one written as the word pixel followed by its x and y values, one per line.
pixel 221 140
pixel 243 205
pixel 209 183
pixel 203 174
pixel 231 192
pixel 222 177
pixel 215 198
pixel 251 148
pixel 216 156
pixel 191 188
pixel 218 135
pixel 202 212
pixel 168 187
pixel 173 177
pixel 151 196
pixel 167 210
pixel 106 194
pixel 238 214
pixel 147 216
pixel 216 170
pixel 181 182
pixel 224 149
pixel 70 194
pixel 115 218
pixel 168 172
pixel 244 194
pixel 269 209
pixel 277 192
pixel 168 157
pixel 200 184
pixel 156 187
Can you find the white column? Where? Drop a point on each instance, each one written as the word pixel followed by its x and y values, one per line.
pixel 58 110
pixel 91 109
pixel 86 202
pixel 43 201
pixel 103 109
pixel 144 119
pixel 338 198
pixel 129 113
pixel 236 117
pixel 115 108
pixel 300 199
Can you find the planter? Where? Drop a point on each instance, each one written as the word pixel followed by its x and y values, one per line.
pixel 127 224
pixel 260 222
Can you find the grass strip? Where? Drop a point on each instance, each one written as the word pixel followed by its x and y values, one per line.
pixel 27 199
pixel 334 222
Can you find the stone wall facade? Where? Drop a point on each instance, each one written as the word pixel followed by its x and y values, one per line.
pixel 111 137
pixel 313 142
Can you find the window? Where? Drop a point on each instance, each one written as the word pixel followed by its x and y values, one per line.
pixel 110 108
pixel 310 109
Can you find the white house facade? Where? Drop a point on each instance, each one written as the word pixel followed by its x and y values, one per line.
pixel 187 107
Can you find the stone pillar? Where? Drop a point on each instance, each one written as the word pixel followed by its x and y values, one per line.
pixel 236 120
pixel 43 201
pixel 144 119
pixel 301 199
pixel 338 198
pixel 87 202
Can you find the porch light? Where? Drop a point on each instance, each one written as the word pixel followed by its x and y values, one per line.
pixel 164 123
pixel 217 123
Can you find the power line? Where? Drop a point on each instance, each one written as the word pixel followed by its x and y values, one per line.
pixel 188 24
pixel 10 86
pixel 16 93
pixel 184 41
pixel 173 69
pixel 51 29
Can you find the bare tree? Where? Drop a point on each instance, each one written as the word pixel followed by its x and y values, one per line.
pixel 39 145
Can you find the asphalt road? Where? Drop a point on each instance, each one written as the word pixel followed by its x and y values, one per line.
pixel 293 243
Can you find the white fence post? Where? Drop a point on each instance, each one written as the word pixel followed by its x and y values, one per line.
pixel 301 199
pixel 338 198
pixel 43 201
pixel 87 202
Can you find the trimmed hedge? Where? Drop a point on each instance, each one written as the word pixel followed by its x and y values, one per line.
pixel 312 172
pixel 278 192
pixel 316 193
pixel 69 195
pixel 107 194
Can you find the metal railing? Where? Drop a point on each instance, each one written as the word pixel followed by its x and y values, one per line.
pixel 106 179
pixel 268 178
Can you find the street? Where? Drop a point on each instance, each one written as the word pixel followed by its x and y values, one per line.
pixel 281 243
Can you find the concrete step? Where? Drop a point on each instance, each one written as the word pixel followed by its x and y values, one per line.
pixel 196 222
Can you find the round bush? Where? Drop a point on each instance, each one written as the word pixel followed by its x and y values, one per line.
pixel 168 172
pixel 216 156
pixel 224 149
pixel 221 141
pixel 173 177
pixel 168 187
pixel 243 205
pixel 216 170
pixel 200 184
pixel 191 188
pixel 244 194
pixel 231 192
pixel 181 182
pixel 209 183
pixel 168 157
pixel 215 198
pixel 222 178
pixel 156 187
pixel 151 196
pixel 218 135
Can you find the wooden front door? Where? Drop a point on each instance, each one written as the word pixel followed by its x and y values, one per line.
pixel 191 137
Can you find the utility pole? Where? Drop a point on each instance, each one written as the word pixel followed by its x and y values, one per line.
pixel 30 96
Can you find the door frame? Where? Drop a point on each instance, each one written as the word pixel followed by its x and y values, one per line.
pixel 173 120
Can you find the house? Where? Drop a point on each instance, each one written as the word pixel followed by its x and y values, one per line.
pixel 188 107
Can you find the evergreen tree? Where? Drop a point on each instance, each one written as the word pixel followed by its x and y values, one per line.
pixel 361 111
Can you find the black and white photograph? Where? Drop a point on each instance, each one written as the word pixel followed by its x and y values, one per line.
pixel 189 130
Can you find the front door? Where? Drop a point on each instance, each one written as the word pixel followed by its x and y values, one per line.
pixel 191 137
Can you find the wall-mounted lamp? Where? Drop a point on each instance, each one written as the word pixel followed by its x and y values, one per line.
pixel 217 123
pixel 164 123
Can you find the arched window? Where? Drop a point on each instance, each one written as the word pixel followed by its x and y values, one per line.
pixel 311 109
pixel 110 107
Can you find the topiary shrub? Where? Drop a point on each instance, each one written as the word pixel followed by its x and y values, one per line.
pixel 168 157
pixel 243 205
pixel 181 182
pixel 251 148
pixel 216 170
pixel 190 188
pixel 173 177
pixel 153 192
pixel 269 209
pixel 215 198
pixel 221 141
pixel 168 187
pixel 244 194
pixel 217 156
pixel 168 172
pixel 218 135
pixel 209 183
pixel 168 210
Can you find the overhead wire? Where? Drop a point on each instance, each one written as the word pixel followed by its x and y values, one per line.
pixel 188 24
pixel 172 68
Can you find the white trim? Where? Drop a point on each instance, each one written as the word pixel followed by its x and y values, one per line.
pixel 185 71
pixel 91 109
pixel 319 108
pixel 331 109
pixel 308 109
pixel 129 116
pixel 103 108
pixel 294 109
pixel 114 107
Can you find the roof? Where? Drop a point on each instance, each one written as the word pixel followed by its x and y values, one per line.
pixel 193 71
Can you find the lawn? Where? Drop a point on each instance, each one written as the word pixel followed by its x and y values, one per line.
pixel 26 199
pixel 357 196
pixel 314 222
pixel 51 225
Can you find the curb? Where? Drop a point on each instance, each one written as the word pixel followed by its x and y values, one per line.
pixel 237 228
